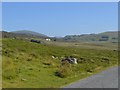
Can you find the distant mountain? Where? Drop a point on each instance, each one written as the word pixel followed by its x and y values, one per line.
pixel 111 36
pixel 27 32
pixel 101 37
pixel 22 34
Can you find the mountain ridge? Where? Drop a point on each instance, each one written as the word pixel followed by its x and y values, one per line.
pixel 108 36
pixel 29 32
pixel 23 34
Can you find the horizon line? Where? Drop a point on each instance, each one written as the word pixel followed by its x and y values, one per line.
pixel 63 35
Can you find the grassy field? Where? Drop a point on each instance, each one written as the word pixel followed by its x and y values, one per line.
pixel 30 65
pixel 0 64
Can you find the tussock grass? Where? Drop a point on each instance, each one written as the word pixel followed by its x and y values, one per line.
pixel 30 65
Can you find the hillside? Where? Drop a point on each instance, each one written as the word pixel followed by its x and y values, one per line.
pixel 22 34
pixel 101 37
pixel 31 65
pixel 111 37
pixel 27 32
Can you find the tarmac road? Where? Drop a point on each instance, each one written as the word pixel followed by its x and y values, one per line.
pixel 105 79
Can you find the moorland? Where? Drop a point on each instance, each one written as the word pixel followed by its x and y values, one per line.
pixel 27 64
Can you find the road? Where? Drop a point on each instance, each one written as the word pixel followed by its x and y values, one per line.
pixel 105 79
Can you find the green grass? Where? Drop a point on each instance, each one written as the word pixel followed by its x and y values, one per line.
pixel 0 72
pixel 30 65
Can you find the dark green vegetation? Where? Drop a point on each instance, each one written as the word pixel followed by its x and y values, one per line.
pixel 94 38
pixel 26 32
pixel 101 37
pixel 28 64
pixel 22 34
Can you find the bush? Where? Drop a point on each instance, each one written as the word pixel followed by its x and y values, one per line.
pixel 64 70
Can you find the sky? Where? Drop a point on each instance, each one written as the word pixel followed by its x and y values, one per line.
pixel 60 18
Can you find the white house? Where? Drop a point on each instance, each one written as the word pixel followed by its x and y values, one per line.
pixel 47 39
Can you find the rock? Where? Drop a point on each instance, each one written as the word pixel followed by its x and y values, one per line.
pixel 53 57
pixel 23 79
pixel 70 59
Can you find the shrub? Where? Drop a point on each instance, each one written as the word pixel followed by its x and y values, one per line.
pixel 64 70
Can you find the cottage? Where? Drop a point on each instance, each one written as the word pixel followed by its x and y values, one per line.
pixel 47 39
